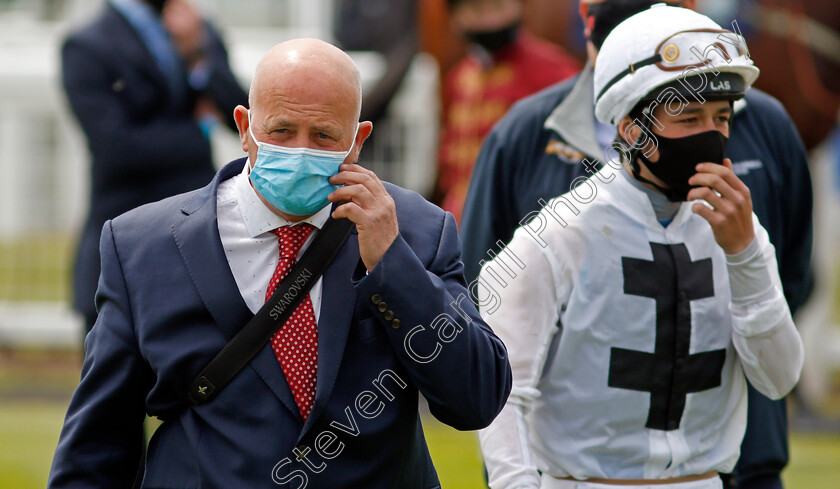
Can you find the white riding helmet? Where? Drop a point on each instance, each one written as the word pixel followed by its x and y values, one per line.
pixel 671 46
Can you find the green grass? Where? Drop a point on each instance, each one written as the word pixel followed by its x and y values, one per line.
pixel 815 462
pixel 456 455
pixel 28 435
pixel 35 387
pixel 29 432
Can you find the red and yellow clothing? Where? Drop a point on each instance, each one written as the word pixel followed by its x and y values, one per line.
pixel 477 94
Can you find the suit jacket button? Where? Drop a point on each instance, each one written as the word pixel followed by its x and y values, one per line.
pixel 395 324
pixel 382 307
pixel 376 298
pixel 389 315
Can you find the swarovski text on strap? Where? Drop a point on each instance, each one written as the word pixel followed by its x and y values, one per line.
pixel 271 316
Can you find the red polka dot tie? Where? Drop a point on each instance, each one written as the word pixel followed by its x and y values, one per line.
pixel 296 343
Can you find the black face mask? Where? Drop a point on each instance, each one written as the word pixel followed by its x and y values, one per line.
pixel 609 14
pixel 497 39
pixel 679 156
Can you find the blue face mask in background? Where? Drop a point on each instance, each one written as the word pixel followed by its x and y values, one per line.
pixel 295 180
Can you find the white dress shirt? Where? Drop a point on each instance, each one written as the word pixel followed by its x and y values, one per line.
pixel 245 226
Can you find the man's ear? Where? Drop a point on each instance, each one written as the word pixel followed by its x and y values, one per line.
pixel 365 128
pixel 240 116
pixel 628 131
pixel 637 136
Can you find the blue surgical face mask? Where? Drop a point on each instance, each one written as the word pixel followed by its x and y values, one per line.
pixel 295 180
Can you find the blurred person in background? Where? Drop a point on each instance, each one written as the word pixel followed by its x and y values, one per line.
pixel 387 27
pixel 797 43
pixel 504 64
pixel 552 138
pixel 147 80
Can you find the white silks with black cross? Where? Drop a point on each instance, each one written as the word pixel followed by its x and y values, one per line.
pixel 620 337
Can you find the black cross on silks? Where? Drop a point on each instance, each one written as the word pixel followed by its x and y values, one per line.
pixel 670 372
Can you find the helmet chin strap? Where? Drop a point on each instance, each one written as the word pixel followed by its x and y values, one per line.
pixel 636 166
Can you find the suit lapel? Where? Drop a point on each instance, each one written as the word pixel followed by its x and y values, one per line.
pixel 197 237
pixel 337 306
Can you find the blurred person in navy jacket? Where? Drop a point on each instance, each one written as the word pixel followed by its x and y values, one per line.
pixel 147 80
pixel 390 317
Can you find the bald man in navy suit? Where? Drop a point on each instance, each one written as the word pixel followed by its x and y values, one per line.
pixel 181 277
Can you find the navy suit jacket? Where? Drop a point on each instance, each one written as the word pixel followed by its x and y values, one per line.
pixel 144 141
pixel 168 304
